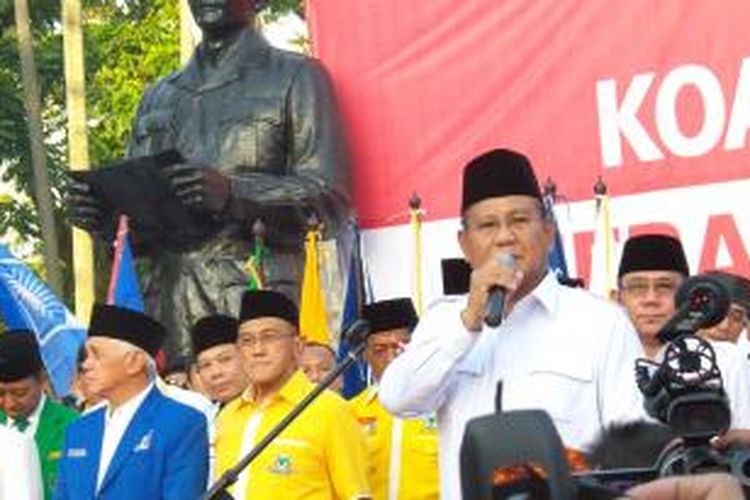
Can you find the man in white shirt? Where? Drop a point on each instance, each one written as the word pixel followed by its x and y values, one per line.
pixel 140 444
pixel 558 349
pixel 20 472
pixel 652 268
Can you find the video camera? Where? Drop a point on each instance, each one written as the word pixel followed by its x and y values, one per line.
pixel 684 391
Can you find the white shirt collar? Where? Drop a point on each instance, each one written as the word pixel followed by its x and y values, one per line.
pixel 547 291
pixel 126 411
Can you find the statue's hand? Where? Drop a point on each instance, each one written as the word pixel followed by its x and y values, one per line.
pixel 200 187
pixel 86 210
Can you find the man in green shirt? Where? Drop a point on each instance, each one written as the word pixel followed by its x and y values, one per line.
pixel 25 407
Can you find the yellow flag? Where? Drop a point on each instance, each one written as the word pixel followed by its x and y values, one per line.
pixel 313 317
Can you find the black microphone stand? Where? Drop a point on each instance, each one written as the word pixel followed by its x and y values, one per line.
pixel 356 336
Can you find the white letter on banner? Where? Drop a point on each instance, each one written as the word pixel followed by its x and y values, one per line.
pixel 714 113
pixel 739 119
pixel 613 121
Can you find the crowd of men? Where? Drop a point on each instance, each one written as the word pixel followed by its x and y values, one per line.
pixel 558 348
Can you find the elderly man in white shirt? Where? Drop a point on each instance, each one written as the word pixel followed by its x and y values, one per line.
pixel 558 349
pixel 20 471
pixel 651 270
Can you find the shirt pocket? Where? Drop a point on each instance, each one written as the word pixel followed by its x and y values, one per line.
pixel 153 132
pixel 252 135
pixel 564 388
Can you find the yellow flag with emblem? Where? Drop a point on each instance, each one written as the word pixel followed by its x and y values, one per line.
pixel 313 317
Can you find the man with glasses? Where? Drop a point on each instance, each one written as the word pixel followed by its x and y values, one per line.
pixel 321 454
pixel 558 348
pixel 402 453
pixel 652 268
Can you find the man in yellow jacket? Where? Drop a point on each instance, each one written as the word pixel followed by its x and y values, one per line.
pixel 402 453
pixel 321 455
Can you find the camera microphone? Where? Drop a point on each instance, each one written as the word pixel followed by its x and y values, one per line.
pixel 702 301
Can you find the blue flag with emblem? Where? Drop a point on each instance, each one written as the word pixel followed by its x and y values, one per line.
pixel 26 302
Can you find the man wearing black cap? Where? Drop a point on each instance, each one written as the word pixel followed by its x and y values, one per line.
pixel 558 348
pixel 321 454
pixel 24 406
pixel 402 453
pixel 217 358
pixel 652 268
pixel 140 444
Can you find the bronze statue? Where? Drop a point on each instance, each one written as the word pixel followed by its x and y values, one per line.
pixel 259 130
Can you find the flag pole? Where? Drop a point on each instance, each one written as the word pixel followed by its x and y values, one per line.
pixel 415 220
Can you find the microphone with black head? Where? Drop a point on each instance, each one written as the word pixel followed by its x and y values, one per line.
pixel 497 296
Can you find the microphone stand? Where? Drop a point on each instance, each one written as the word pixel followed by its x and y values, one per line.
pixel 356 335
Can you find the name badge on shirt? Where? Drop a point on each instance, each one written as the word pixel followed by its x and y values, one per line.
pixel 145 443
pixel 77 452
pixel 282 465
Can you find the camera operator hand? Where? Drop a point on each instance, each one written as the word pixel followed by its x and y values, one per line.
pixel 733 437
pixel 713 486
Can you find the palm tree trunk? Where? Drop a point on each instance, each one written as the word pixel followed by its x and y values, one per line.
pixel 41 186
pixel 75 96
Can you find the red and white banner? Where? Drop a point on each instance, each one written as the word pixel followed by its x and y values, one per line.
pixel 654 97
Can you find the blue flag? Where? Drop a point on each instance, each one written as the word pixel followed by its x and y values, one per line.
pixel 355 377
pixel 556 257
pixel 26 302
pixel 124 289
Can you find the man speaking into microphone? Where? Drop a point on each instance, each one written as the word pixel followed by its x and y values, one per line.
pixel 555 348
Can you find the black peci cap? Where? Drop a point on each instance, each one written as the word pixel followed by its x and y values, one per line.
pixel 498 173
pixel 390 314
pixel 130 326
pixel 653 252
pixel 19 355
pixel 213 330
pixel 268 303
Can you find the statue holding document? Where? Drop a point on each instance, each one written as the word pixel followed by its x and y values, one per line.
pixel 243 132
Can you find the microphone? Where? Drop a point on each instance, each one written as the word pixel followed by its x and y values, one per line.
pixel 702 301
pixel 496 300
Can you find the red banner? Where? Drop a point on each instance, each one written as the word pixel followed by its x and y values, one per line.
pixel 648 94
